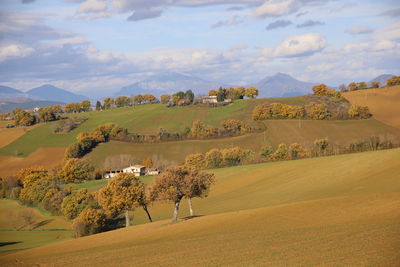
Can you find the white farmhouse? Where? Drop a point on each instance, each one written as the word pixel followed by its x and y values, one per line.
pixel 137 170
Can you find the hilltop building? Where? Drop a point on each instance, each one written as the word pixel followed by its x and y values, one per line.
pixel 137 170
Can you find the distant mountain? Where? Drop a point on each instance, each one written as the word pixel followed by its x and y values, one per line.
pixel 283 85
pixel 30 104
pixel 381 79
pixel 9 90
pixel 51 93
pixel 13 95
pixel 169 82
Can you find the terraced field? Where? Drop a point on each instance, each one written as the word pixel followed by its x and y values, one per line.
pixel 340 210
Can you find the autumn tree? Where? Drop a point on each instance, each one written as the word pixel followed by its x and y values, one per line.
pixel 251 92
pixel 123 194
pixel 317 111
pixel 395 80
pixel 213 158
pixel 22 117
pixel 266 151
pixel 35 187
pixel 138 99
pixel 362 85
pixel 322 145
pixel 359 112
pixel 52 200
pixel 24 177
pixel 374 84
pixel 195 161
pixel 76 170
pixel 213 92
pixel 85 106
pixel 47 114
pixel 175 183
pixel 108 103
pixel 197 184
pixel 352 86
pixel 73 204
pixel 165 99
pixel 281 153
pixel 148 163
pixel 149 98
pixel 232 156
pixel 90 221
pixel 296 151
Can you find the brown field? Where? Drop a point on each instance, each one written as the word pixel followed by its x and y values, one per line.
pixel 47 157
pixel 341 210
pixel 384 103
pixel 9 135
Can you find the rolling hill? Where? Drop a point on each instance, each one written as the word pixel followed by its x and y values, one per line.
pixel 51 93
pixel 147 119
pixel 306 212
pixel 383 103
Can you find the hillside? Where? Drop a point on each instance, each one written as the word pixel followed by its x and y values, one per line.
pixel 51 93
pixel 304 212
pixel 383 103
pixel 148 119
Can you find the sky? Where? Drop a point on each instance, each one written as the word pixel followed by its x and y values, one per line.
pixel 95 47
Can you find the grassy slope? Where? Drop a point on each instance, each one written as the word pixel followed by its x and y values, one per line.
pixel 8 135
pixel 336 210
pixel 383 103
pixel 47 229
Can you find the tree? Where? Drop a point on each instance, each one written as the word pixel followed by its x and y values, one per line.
pixel 47 114
pixel 108 103
pixel 352 86
pixel 317 111
pixel 395 80
pixel 35 188
pixel 213 158
pixel 149 98
pixel 322 145
pixel 197 184
pixel 98 106
pixel 148 163
pixel 362 85
pixel 28 175
pixel 195 161
pixel 281 153
pixel 138 99
pixel 296 151
pixel 189 96
pixel 221 95
pixel 342 88
pixel 232 156
pixel 374 84
pixel 123 194
pixel 251 92
pixel 178 182
pixel 359 112
pixel 76 170
pixel 22 117
pixel 52 200
pixel 75 203
pixel 266 151
pixel 213 92
pixel 90 221
pixel 122 101
pixel 165 99
pixel 85 106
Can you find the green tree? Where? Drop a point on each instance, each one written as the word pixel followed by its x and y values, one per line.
pixel 123 194
pixel 221 95
pixel 98 106
pixel 189 96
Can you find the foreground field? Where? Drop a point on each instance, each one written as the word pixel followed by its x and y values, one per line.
pixel 341 210
pixel 384 103
pixel 16 233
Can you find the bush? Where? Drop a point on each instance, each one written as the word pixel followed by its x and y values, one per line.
pixel 232 156
pixel 75 203
pixel 213 158
pixel 195 161
pixel 90 221
pixel 76 170
pixel 281 153
pixel 395 80
pixel 317 111
pixel 359 112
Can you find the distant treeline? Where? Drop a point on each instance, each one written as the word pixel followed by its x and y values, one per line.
pixel 353 86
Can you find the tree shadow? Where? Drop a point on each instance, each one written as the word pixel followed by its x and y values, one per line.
pixel 191 217
pixel 2 244
pixel 42 223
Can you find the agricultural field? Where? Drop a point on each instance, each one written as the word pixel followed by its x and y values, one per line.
pixel 22 227
pixel 383 103
pixel 8 135
pixel 147 119
pixel 338 210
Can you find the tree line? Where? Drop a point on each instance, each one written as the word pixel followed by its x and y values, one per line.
pixel 354 86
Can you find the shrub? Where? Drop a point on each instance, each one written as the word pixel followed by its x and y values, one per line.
pixel 359 112
pixel 232 156
pixel 75 203
pixel 266 151
pixel 213 158
pixel 395 80
pixel 76 170
pixel 281 153
pixel 317 111
pixel 195 161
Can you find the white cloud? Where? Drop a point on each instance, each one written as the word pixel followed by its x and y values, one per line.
pixel 230 22
pixel 389 32
pixel 300 45
pixel 274 8
pixel 14 51
pixel 92 6
pixel 359 30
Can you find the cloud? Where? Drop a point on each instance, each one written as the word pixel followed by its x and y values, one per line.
pixel 389 32
pixel 310 23
pixel 14 51
pixel 301 14
pixel 275 8
pixel 230 22
pixel 392 13
pixel 92 6
pixel 300 45
pixel 27 1
pixel 142 14
pixel 278 24
pixel 359 30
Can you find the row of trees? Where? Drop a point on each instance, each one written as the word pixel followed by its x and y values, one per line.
pixel 353 86
pixel 178 99
pixel 124 101
pixel 85 142
pixel 234 93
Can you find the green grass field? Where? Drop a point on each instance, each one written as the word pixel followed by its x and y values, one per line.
pixel 339 210
pixel 16 234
